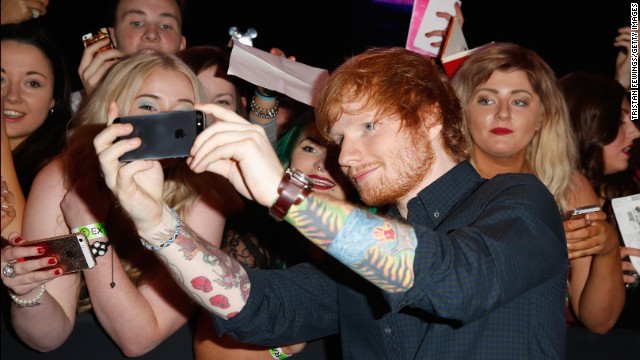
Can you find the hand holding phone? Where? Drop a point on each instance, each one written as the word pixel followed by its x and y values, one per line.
pixel 579 213
pixel 72 252
pixel 164 135
pixel 103 33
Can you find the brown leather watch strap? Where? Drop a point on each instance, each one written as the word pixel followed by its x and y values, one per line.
pixel 294 187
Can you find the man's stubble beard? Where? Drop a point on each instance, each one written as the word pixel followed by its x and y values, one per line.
pixel 408 167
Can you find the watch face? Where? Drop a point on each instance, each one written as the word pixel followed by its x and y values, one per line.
pixel 300 177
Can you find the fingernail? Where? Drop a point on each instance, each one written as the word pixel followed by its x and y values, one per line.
pixel 40 250
pixel 20 259
pixel 52 261
pixel 18 239
pixel 58 272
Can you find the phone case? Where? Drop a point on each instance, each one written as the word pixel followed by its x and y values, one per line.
pixel 88 39
pixel 579 213
pixel 72 251
pixel 164 135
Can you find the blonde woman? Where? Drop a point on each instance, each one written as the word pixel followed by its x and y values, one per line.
pixel 133 297
pixel 517 121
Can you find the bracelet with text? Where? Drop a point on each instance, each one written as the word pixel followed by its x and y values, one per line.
pixel 278 353
pixel 91 231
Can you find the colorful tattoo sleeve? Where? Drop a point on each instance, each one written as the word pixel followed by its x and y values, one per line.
pixel 209 275
pixel 380 250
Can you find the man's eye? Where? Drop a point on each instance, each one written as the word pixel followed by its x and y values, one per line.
pixel 369 126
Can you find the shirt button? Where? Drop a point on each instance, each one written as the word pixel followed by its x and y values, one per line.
pixel 436 214
pixel 387 330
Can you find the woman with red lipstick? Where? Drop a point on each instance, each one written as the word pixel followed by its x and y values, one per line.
pixel 605 143
pixel 517 121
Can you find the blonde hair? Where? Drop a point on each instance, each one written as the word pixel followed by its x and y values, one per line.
pixel 182 186
pixel 552 153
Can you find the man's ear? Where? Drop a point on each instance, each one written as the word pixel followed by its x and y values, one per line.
pixel 433 116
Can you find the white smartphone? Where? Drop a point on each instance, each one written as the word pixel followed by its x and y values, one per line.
pixel 72 252
pixel 579 213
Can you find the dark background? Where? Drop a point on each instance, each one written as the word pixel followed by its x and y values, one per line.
pixel 569 34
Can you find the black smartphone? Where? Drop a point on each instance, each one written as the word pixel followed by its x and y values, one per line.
pixel 103 33
pixel 579 213
pixel 164 135
pixel 73 252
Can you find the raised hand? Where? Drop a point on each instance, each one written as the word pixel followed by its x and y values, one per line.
pixel 137 185
pixel 442 33
pixel 589 236
pixel 94 64
pixel 623 60
pixel 239 151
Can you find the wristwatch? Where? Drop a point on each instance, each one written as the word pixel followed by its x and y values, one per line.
pixel 294 187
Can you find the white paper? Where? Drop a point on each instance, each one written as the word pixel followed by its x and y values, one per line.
pixel 299 81
pixel 431 22
pixel 627 211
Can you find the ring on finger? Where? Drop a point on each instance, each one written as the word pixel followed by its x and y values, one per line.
pixel 8 270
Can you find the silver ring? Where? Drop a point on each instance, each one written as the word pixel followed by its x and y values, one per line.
pixel 8 270
pixel 35 13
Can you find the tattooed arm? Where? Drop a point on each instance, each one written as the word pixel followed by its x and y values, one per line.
pixel 210 276
pixel 378 249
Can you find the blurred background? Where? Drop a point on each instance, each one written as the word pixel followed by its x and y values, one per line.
pixel 569 34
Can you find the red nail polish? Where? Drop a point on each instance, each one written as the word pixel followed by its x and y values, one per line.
pixel 58 272
pixel 52 261
pixel 40 250
pixel 20 259
pixel 18 239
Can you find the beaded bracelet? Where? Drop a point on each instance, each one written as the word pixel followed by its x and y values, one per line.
pixel 99 248
pixel 27 303
pixel 164 244
pixel 278 353
pixel 263 113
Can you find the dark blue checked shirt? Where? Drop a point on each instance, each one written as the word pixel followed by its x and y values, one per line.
pixel 490 278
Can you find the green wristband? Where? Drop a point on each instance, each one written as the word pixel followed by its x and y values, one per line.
pixel 278 354
pixel 91 231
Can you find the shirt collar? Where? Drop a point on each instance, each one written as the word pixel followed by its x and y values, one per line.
pixel 444 194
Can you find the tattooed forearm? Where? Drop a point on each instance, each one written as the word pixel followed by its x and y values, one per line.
pixel 210 276
pixel 319 220
pixel 379 249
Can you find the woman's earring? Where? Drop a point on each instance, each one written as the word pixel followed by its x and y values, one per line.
pixel 51 111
